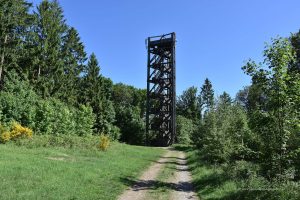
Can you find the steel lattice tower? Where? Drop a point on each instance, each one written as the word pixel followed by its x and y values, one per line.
pixel 161 90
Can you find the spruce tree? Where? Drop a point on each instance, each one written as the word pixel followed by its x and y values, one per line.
pixel 14 22
pixel 90 84
pixel 187 104
pixel 95 91
pixel 207 95
pixel 49 30
pixel 74 57
pixel 225 99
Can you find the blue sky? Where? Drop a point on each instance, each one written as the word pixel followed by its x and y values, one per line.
pixel 214 37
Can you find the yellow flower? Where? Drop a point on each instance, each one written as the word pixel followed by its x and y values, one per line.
pixel 19 131
pixel 5 137
pixel 104 142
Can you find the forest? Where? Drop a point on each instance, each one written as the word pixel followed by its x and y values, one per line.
pixel 51 90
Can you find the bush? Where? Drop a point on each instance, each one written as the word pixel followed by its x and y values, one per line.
pixel 18 131
pixel 104 142
pixel 4 137
pixel 132 127
pixel 18 102
pixel 185 128
pixel 68 120
pixel 240 170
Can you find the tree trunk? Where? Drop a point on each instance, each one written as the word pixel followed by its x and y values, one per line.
pixel 2 58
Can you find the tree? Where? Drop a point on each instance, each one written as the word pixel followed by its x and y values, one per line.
pixel 96 92
pixel 129 103
pixel 132 127
pixel 48 63
pixel 273 116
pixel 74 57
pixel 207 95
pixel 225 99
pixel 242 97
pixel 90 86
pixel 14 20
pixel 187 104
pixel 185 128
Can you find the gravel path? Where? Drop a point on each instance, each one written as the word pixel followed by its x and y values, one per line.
pixel 182 180
pixel 181 186
pixel 146 182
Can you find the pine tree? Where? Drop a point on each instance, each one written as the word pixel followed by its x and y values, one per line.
pixel 49 31
pixel 74 57
pixel 96 92
pixel 225 98
pixel 90 84
pixel 187 104
pixel 14 20
pixel 207 95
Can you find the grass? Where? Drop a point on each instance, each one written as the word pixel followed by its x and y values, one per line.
pixel 210 181
pixel 70 173
pixel 214 182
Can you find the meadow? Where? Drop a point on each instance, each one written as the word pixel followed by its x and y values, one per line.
pixel 70 173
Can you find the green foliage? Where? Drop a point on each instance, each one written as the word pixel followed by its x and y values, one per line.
pixel 238 180
pixel 274 117
pixel 68 121
pixel 132 127
pixel 96 92
pixel 64 141
pixel 15 20
pixel 41 49
pixel 18 102
pixel 185 128
pixel 74 57
pixel 207 95
pixel 47 68
pixel 129 104
pixel 188 105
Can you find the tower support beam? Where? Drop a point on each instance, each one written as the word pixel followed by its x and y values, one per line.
pixel 161 90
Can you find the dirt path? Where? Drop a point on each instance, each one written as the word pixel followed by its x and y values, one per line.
pixel 146 182
pixel 180 184
pixel 182 180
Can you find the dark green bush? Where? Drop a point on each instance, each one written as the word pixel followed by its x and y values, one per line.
pixel 18 102
pixel 132 127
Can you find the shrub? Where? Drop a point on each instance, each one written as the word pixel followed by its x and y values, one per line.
pixel 18 131
pixel 132 127
pixel 104 142
pixel 19 102
pixel 241 169
pixel 184 130
pixel 5 137
pixel 114 133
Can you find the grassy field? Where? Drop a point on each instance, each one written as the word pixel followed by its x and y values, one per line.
pixel 215 182
pixel 62 173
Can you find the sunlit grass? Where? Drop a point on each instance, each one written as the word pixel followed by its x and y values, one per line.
pixel 60 173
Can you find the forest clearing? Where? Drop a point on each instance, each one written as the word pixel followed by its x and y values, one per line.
pixel 188 117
